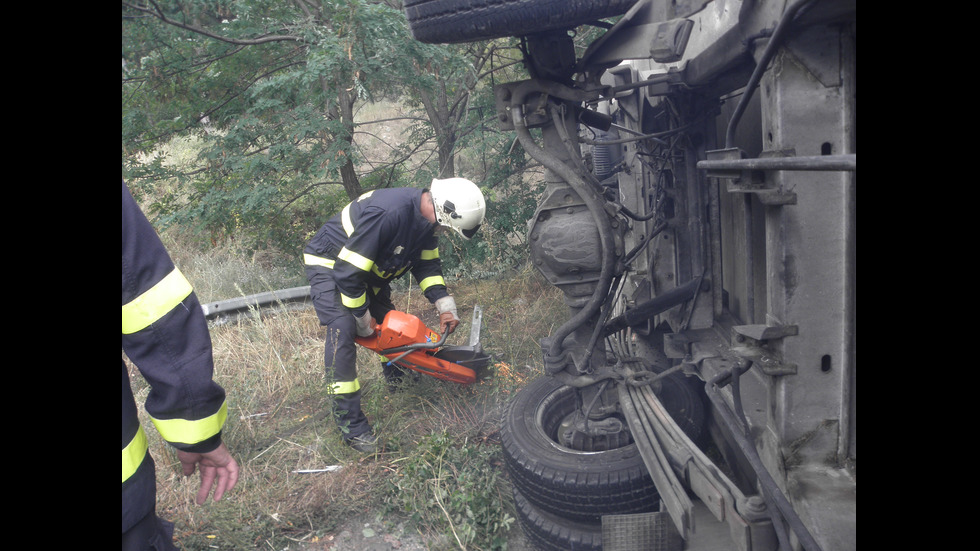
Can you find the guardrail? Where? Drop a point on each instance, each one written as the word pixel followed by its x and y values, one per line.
pixel 224 311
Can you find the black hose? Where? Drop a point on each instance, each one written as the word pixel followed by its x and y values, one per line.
pixel 588 195
pixel 760 69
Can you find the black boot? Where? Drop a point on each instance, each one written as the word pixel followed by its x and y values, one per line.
pixel 395 375
pixel 351 420
pixel 365 443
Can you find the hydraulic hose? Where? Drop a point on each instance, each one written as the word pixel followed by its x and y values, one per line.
pixel 760 68
pixel 586 193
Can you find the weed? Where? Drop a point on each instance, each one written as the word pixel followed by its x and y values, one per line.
pixel 440 437
pixel 444 486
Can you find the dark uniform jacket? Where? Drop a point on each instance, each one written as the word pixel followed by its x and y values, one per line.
pixel 165 334
pixel 374 240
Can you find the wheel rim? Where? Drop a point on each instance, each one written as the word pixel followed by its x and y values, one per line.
pixel 558 414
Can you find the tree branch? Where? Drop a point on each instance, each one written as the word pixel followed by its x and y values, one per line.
pixel 158 13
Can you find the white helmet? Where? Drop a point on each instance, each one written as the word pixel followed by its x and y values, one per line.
pixel 459 205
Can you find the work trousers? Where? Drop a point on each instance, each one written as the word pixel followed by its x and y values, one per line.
pixel 150 534
pixel 340 350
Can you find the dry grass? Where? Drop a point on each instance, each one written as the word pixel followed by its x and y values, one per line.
pixel 272 370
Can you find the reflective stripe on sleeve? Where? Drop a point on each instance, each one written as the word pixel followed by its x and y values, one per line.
pixel 344 387
pixel 133 454
pixel 153 304
pixel 355 259
pixel 312 260
pixel 430 281
pixel 430 254
pixel 184 431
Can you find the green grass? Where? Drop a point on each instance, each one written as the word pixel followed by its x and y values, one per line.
pixel 442 438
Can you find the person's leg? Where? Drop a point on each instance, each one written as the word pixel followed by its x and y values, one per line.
pixel 340 359
pixel 150 534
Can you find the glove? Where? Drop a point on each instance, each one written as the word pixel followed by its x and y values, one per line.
pixel 448 319
pixel 365 324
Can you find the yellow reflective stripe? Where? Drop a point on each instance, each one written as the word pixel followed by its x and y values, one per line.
pixel 357 260
pixel 430 254
pixel 345 220
pixel 344 387
pixel 184 431
pixel 153 304
pixel 345 214
pixel 430 281
pixel 353 302
pixel 311 260
pixel 133 454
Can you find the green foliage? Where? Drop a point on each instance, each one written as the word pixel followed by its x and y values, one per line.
pixel 267 111
pixel 448 486
pixel 269 103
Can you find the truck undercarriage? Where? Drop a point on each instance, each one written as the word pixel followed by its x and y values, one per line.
pixel 700 218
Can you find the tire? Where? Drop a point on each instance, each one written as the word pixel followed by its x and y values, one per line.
pixel 551 533
pixel 451 21
pixel 683 397
pixel 562 481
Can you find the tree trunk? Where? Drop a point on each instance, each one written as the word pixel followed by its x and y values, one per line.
pixel 443 124
pixel 344 111
pixel 446 113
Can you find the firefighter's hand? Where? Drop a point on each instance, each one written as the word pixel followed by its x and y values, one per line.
pixel 365 324
pixel 448 322
pixel 448 319
pixel 218 469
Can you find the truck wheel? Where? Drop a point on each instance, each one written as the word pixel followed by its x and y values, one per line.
pixel 551 533
pixel 577 485
pixel 442 21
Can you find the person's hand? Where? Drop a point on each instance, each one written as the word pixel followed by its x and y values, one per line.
pixel 218 469
pixel 448 322
pixel 448 319
pixel 365 324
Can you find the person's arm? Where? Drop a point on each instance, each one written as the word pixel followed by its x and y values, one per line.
pixel 428 273
pixel 356 260
pixel 165 335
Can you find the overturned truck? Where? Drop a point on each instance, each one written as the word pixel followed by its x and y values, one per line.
pixel 699 217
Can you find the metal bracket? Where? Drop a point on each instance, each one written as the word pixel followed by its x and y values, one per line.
pixel 751 344
pixel 748 180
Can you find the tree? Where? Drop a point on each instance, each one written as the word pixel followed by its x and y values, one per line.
pixel 267 94
pixel 268 90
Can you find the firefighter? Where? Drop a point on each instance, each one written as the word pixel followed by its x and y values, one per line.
pixel 351 261
pixel 165 335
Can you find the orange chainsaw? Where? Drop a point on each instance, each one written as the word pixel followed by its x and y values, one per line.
pixel 406 341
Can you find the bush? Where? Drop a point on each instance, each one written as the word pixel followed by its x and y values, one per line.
pixel 448 486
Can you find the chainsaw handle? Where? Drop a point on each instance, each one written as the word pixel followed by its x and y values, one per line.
pixel 416 346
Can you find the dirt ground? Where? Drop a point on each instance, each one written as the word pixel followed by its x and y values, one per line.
pixel 367 534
